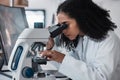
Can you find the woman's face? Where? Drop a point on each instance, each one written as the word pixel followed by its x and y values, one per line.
pixel 73 30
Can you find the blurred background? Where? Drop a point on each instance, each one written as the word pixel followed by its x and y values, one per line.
pixel 16 15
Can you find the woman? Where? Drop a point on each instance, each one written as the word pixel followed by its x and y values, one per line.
pixel 93 46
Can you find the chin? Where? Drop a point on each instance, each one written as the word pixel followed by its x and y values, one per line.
pixel 71 38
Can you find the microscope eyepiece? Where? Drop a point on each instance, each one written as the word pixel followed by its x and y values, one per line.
pixel 57 29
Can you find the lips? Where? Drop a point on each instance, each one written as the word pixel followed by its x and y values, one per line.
pixel 67 35
pixel 70 37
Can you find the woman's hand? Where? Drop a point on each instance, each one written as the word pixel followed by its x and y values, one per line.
pixel 50 44
pixel 53 55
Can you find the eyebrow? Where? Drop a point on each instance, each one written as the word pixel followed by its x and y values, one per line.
pixel 63 22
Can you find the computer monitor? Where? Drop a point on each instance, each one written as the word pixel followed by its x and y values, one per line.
pixel 12 22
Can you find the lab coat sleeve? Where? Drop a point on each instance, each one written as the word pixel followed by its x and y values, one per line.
pixel 100 68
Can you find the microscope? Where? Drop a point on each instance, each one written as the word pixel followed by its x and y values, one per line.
pixel 25 59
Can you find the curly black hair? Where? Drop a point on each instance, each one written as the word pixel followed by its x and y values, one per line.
pixel 93 21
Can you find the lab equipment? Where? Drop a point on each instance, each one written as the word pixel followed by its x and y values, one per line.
pixel 25 59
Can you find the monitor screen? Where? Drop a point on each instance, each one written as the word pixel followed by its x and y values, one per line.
pixel 35 18
pixel 12 22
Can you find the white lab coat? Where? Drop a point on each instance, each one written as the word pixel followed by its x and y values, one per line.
pixel 93 60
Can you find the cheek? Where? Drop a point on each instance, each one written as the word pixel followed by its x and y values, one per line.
pixel 74 30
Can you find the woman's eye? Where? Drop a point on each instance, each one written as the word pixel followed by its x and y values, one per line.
pixel 67 25
pixel 58 24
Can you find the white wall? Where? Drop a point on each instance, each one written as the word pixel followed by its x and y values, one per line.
pixel 113 6
pixel 50 7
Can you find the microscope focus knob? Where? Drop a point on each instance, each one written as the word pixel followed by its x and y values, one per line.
pixel 27 72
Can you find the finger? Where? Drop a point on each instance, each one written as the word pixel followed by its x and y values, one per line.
pixel 46 53
pixel 49 58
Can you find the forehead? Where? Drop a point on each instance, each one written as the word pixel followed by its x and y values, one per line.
pixel 62 17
